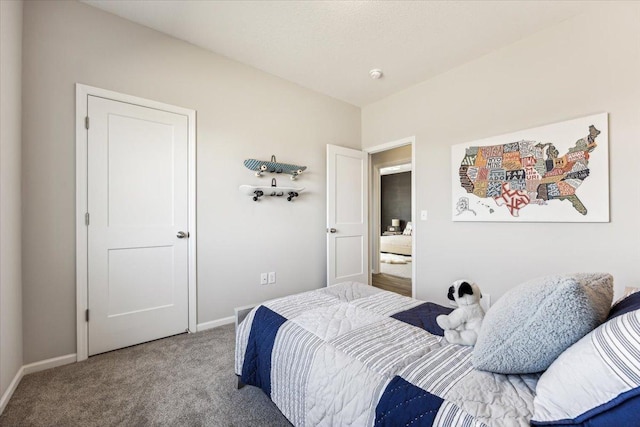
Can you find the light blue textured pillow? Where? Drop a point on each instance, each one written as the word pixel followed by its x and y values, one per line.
pixel 529 326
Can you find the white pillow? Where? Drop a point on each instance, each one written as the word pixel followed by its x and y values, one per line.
pixel 596 381
pixel 408 229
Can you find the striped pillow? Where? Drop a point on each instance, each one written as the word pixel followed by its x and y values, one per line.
pixel 596 381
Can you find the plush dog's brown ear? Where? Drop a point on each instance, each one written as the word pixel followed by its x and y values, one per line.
pixel 464 289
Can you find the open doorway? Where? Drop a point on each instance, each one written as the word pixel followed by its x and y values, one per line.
pixel 391 231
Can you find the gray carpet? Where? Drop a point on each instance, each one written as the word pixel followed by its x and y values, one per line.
pixel 185 380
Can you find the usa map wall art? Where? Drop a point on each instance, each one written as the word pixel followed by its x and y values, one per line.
pixel 553 173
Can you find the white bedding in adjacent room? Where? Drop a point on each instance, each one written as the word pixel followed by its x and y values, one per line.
pixel 399 244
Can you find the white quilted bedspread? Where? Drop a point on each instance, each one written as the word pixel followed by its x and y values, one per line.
pixel 335 357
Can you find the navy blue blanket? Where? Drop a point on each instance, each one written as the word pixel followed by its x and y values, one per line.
pixel 424 316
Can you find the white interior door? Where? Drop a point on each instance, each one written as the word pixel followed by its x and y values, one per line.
pixel 347 215
pixel 138 285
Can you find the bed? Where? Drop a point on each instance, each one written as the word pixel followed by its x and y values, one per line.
pixel 398 244
pixel 354 355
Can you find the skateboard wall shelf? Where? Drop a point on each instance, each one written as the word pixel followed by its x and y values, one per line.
pixel 272 166
pixel 258 191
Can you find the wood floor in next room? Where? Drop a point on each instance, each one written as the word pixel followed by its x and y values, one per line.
pixel 391 283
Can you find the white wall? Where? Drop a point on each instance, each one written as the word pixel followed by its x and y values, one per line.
pixel 241 113
pixel 10 204
pixel 585 65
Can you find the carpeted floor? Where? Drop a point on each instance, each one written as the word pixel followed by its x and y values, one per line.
pixel 185 380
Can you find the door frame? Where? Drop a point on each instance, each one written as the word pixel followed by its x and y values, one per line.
pixel 410 140
pixel 82 284
pixel 376 211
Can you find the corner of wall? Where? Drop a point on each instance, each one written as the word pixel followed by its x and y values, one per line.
pixel 11 346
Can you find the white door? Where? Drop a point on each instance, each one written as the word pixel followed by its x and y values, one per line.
pixel 138 205
pixel 347 215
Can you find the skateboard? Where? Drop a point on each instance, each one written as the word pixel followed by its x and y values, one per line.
pixel 258 191
pixel 272 166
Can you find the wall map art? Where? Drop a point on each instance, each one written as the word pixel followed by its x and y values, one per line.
pixel 553 173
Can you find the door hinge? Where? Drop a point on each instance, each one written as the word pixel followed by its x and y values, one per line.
pixel 86 122
pixel 86 314
pixel 86 218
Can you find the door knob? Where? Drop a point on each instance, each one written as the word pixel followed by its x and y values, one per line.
pixel 332 230
pixel 182 234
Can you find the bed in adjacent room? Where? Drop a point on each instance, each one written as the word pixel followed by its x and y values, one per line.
pixel 352 354
pixel 396 244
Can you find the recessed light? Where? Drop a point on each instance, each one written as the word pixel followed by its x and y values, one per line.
pixel 376 73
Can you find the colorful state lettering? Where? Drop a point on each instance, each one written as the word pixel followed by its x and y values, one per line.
pixel 520 173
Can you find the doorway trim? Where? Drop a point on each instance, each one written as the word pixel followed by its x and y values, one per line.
pixel 410 140
pixel 82 94
pixel 376 211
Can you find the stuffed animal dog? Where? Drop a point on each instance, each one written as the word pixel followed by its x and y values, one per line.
pixel 462 325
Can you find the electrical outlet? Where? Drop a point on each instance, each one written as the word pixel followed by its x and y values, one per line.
pixel 263 278
pixel 272 277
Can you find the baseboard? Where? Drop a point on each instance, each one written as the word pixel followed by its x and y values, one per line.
pixel 215 323
pixel 71 358
pixel 49 363
pixel 30 369
pixel 12 387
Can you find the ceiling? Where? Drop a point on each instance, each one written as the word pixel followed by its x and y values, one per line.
pixel 330 46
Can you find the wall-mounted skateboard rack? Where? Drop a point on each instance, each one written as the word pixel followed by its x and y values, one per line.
pixel 273 166
pixel 258 191
pixel 261 167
